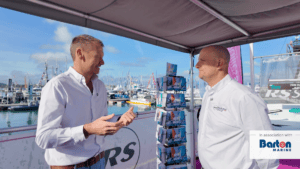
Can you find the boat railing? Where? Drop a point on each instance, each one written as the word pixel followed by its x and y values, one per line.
pixel 284 54
pixel 18 129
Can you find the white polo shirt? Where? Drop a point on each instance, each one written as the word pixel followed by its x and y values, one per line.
pixel 66 105
pixel 229 111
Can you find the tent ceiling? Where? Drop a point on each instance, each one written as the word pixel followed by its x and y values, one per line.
pixel 178 25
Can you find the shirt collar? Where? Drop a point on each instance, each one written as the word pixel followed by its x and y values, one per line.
pixel 220 85
pixel 79 77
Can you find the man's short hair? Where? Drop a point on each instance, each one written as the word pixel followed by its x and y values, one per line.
pixel 84 41
pixel 221 51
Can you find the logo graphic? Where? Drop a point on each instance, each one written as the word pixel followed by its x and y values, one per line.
pixel 275 87
pixel 127 153
pixel 294 110
pixel 221 109
pixel 277 146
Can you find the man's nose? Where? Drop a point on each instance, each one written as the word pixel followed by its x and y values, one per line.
pixel 101 62
pixel 197 65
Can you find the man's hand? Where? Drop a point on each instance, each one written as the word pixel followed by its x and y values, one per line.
pixel 127 117
pixel 102 127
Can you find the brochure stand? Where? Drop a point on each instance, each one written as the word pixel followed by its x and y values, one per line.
pixel 171 121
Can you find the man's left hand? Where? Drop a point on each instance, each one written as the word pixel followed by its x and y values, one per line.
pixel 128 117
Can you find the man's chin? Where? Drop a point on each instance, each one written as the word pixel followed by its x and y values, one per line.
pixel 97 71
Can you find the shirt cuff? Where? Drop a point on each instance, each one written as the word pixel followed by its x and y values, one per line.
pixel 77 134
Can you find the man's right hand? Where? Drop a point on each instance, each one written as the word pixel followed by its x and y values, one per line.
pixel 102 127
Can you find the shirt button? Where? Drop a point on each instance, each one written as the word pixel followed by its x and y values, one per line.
pixel 211 99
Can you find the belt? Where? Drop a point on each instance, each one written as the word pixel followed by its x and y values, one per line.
pixel 86 163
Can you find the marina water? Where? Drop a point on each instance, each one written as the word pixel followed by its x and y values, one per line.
pixel 25 118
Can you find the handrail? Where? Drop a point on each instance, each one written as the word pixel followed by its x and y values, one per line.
pixel 283 54
pixel 33 127
pixel 17 129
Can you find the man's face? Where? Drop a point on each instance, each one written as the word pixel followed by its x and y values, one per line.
pixel 93 58
pixel 207 65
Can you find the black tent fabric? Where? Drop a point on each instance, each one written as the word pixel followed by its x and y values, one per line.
pixel 181 25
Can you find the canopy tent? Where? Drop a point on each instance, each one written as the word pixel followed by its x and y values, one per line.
pixel 181 25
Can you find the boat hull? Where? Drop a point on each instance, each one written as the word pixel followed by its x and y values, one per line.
pixel 23 108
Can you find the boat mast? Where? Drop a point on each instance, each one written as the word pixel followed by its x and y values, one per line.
pixel 252 65
pixel 46 73
pixel 66 64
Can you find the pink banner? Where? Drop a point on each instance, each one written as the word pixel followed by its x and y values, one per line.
pixel 235 64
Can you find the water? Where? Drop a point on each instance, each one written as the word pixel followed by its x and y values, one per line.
pixel 25 118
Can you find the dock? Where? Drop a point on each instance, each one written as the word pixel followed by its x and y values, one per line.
pixel 5 106
pixel 118 101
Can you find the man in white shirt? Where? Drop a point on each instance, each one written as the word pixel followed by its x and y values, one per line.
pixel 229 111
pixel 73 120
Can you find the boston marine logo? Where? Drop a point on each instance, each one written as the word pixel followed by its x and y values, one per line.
pixel 276 146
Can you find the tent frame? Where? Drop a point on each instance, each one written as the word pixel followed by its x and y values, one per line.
pixel 136 34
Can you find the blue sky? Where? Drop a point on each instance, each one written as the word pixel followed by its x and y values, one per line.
pixel 27 41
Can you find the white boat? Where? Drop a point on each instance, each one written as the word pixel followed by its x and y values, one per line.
pixel 140 101
pixel 37 90
pixel 196 94
pixel 257 88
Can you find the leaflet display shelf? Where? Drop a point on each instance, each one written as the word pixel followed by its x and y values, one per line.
pixel 171 120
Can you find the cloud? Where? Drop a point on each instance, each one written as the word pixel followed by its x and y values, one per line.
pixel 144 60
pixel 50 21
pixel 248 74
pixel 131 64
pixel 104 34
pixel 104 70
pixel 247 63
pixel 247 79
pixel 54 47
pixel 62 34
pixel 17 73
pixel 139 48
pixel 3 79
pixel 67 47
pixel 185 73
pixel 18 77
pixel 140 62
pixel 85 30
pixel 111 49
pixel 42 57
pixel 277 59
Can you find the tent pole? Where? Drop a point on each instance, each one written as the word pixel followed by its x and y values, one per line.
pixel 252 66
pixel 190 127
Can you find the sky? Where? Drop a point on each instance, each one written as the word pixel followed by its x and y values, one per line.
pixel 28 41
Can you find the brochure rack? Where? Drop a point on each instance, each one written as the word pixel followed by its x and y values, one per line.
pixel 171 121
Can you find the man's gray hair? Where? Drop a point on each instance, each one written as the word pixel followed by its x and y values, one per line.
pixel 221 52
pixel 83 41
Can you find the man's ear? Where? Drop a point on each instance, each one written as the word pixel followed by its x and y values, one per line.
pixel 221 62
pixel 79 53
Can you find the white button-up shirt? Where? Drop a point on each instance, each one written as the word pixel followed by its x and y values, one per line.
pixel 229 111
pixel 66 105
